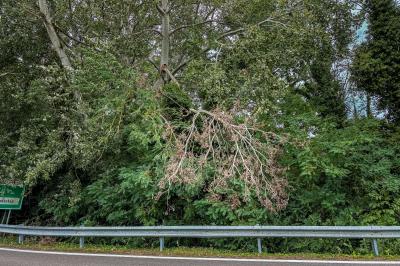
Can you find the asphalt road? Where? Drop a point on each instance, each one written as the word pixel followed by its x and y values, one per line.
pixel 10 257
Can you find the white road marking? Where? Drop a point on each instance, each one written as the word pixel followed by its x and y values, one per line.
pixel 202 259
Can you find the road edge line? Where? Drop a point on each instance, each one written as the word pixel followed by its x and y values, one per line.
pixel 199 258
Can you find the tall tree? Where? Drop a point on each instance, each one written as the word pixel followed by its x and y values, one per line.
pixel 324 91
pixel 376 66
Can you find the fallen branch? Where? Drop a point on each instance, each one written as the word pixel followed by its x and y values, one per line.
pixel 234 150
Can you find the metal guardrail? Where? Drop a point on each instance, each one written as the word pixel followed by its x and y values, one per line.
pixel 259 232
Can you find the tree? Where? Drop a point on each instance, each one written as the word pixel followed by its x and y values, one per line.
pixel 324 90
pixel 376 65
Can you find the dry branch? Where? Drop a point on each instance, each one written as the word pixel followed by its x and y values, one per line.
pixel 234 150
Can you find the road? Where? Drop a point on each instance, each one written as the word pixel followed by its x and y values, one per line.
pixel 13 257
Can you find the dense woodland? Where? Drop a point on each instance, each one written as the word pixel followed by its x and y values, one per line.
pixel 204 112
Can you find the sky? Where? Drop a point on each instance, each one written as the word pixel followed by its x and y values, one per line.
pixel 361 32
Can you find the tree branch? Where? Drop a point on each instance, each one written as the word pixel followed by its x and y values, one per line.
pixel 69 36
pixel 191 25
pixel 233 32
pixel 226 34
pixel 235 151
pixel 187 61
pixel 160 10
pixel 5 74
pixel 154 64
pixel 152 29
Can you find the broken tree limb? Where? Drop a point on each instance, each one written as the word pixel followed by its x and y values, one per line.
pixel 235 151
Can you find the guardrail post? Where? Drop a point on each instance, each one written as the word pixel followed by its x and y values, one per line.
pixel 375 247
pixel 161 243
pixel 259 244
pixel 20 239
pixel 81 241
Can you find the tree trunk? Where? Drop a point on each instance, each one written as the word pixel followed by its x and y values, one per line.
pixel 58 47
pixel 54 38
pixel 165 44
pixel 163 9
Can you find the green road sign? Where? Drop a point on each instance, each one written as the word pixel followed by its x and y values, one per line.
pixel 11 197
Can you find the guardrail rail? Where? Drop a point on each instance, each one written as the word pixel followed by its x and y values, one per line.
pixel 258 232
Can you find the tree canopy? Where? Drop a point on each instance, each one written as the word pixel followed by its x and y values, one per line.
pixel 376 65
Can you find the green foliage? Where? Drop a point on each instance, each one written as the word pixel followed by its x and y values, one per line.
pixel 324 91
pixel 376 65
pixel 90 143
pixel 123 200
pixel 354 166
pixel 175 102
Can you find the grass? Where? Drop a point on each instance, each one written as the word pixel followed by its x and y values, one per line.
pixel 68 246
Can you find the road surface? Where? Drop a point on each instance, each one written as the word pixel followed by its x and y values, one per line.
pixel 13 257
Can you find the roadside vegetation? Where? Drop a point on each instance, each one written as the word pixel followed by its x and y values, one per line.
pixel 214 112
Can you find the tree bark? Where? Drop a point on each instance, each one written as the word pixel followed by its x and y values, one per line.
pixel 165 44
pixel 54 38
